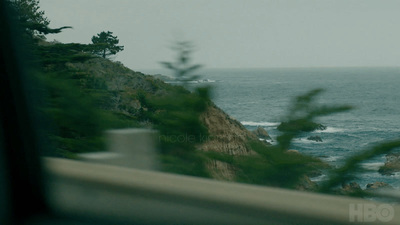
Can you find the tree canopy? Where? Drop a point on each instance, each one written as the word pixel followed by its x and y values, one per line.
pixel 29 11
pixel 105 44
pixel 32 19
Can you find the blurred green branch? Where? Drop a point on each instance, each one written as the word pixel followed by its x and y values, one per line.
pixel 301 117
pixel 182 68
pixel 346 172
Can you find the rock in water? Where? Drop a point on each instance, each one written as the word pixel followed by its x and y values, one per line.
pixel 321 127
pixel 305 184
pixel 292 151
pixel 262 133
pixel 351 188
pixel 392 164
pixel 378 185
pixel 315 138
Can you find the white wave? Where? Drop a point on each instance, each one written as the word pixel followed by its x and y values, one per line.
pixel 372 166
pixel 210 81
pixel 304 140
pixel 396 174
pixel 330 130
pixel 266 140
pixel 201 81
pixel 191 81
pixel 318 178
pixel 266 124
pixel 332 158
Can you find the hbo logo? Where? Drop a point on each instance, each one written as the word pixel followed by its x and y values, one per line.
pixel 369 212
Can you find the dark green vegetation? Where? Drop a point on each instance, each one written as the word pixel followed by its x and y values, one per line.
pixel 301 117
pixel 179 119
pixel 272 167
pixel 31 19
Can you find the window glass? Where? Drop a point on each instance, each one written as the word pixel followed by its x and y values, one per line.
pixel 269 93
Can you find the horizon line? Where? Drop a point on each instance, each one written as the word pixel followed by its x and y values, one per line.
pixel 282 67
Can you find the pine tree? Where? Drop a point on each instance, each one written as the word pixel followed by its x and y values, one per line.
pixel 105 44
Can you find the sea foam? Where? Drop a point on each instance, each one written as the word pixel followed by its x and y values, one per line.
pixel 332 158
pixel 331 130
pixel 374 166
pixel 255 124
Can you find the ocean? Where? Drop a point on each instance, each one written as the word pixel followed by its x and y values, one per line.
pixel 261 97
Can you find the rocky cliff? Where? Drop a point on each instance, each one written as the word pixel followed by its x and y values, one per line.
pixel 127 92
pixel 226 135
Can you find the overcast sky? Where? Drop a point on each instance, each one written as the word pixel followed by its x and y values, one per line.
pixel 239 33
